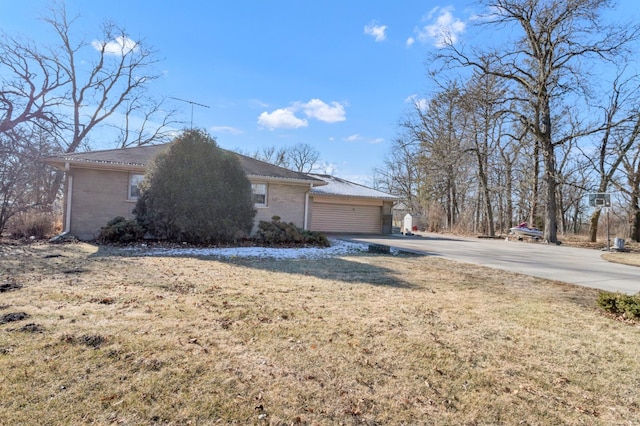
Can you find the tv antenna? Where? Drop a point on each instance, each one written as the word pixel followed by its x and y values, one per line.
pixel 192 104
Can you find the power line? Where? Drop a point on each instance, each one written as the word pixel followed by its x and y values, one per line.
pixel 192 104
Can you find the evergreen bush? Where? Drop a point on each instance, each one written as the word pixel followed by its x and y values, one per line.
pixel 196 192
pixel 277 232
pixel 121 230
pixel 620 304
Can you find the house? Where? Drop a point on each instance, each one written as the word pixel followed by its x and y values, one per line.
pixel 100 185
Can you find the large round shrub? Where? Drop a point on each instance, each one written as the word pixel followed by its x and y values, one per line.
pixel 196 192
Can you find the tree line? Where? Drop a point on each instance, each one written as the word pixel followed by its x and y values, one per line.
pixel 524 131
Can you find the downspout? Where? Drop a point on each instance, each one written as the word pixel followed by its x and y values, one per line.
pixel 306 207
pixel 67 212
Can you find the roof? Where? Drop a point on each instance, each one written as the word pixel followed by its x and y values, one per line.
pixel 139 157
pixel 343 188
pixel 253 167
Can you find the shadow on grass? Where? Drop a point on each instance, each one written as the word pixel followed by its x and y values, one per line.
pixel 332 268
pixel 327 268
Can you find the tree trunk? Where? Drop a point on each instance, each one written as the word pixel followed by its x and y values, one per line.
pixel 477 217
pixel 551 208
pixel 634 210
pixel 593 225
pixel 535 184
pixel 486 194
pixel 54 189
pixel 508 194
pixel 635 223
pixel 576 217
pixel 560 202
pixel 550 216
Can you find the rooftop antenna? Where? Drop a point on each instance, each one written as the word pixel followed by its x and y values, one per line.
pixel 192 104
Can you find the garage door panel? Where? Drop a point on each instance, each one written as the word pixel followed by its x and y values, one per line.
pixel 328 217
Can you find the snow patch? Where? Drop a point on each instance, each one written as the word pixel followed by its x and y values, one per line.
pixel 338 248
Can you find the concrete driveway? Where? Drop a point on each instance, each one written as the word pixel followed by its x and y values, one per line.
pixel 584 267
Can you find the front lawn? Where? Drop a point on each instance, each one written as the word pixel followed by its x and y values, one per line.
pixel 91 334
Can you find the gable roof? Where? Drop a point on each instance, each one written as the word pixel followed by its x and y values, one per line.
pixel 344 188
pixel 139 157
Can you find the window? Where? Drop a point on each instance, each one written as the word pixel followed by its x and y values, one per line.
pixel 134 191
pixel 259 194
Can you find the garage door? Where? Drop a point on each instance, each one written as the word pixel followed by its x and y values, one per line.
pixel 328 217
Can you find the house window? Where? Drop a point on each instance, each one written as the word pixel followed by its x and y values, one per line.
pixel 134 181
pixel 259 194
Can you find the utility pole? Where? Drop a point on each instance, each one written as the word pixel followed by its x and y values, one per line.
pixel 192 104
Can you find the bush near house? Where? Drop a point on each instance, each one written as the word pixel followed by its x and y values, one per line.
pixel 121 230
pixel 278 232
pixel 196 193
pixel 32 224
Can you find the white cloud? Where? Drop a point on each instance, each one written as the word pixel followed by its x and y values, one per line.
pixel 376 31
pixel 226 129
pixel 120 46
pixel 257 103
pixel 319 110
pixel 421 103
pixel 281 119
pixel 359 138
pixel 410 41
pixel 444 31
pixel 285 118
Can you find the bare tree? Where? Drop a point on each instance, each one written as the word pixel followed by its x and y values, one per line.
pixel 23 180
pixel 621 128
pixel 632 171
pixel 72 88
pixel 543 65
pixel 402 174
pixel 302 157
pixel 440 131
pixel 482 100
pixel 30 85
pixel 272 155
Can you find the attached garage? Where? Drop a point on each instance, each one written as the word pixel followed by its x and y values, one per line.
pixel 341 206
pixel 356 218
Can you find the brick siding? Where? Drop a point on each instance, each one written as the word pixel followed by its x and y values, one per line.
pixel 100 195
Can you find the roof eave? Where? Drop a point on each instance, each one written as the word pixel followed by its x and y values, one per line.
pixel 314 182
pixel 64 164
pixel 368 197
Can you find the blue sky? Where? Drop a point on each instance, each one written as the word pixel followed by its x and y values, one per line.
pixel 337 75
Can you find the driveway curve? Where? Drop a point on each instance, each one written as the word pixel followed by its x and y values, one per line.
pixel 579 266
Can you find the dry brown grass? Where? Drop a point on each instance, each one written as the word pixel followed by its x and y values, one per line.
pixel 632 259
pixel 364 339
